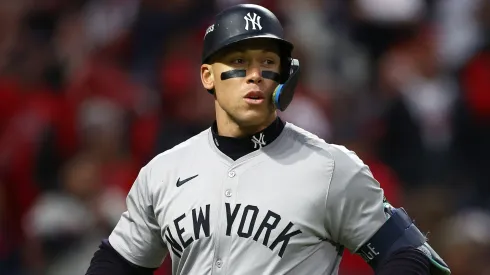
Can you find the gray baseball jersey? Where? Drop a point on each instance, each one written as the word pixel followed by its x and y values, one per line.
pixel 288 208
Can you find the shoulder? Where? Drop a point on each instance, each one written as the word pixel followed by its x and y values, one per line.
pixel 342 157
pixel 177 155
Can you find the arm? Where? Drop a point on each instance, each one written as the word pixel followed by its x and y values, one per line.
pixel 409 261
pixel 106 260
pixel 356 211
pixel 135 245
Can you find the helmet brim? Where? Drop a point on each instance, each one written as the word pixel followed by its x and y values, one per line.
pixel 284 45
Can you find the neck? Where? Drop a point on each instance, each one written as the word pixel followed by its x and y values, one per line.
pixel 236 147
pixel 228 127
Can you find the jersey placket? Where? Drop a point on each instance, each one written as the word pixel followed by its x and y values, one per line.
pixel 223 243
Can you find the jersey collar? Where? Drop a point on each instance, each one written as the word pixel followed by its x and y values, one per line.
pixel 236 148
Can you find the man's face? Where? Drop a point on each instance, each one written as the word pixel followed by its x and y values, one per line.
pixel 247 101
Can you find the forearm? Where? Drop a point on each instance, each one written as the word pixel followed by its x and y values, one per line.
pixel 409 261
pixel 106 260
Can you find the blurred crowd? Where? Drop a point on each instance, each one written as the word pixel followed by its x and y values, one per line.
pixel 91 90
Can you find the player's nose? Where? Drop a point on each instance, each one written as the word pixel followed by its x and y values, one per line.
pixel 254 74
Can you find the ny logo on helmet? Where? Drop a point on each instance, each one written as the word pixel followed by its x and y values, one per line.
pixel 255 21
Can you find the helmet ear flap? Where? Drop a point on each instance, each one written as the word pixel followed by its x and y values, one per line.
pixel 284 92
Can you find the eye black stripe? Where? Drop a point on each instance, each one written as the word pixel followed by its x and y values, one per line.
pixel 232 74
pixel 242 73
pixel 271 75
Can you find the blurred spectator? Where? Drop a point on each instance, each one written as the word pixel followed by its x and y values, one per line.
pixel 158 22
pixel 187 107
pixel 11 13
pixel 65 225
pixel 380 23
pixel 331 63
pixel 472 119
pixel 10 250
pixel 308 113
pixel 459 32
pixel 465 242
pixel 29 96
pixel 362 143
pixel 102 134
pixel 418 133
pixel 107 20
pixel 312 38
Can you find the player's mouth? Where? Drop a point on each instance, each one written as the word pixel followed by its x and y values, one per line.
pixel 254 97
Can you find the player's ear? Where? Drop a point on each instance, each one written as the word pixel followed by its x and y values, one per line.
pixel 207 76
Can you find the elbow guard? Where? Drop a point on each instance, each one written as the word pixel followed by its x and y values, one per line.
pixel 396 233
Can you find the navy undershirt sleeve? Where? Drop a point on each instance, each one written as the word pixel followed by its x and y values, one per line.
pixel 409 261
pixel 106 260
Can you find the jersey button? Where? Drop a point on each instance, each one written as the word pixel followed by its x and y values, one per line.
pixel 219 263
pixel 228 193
pixel 231 174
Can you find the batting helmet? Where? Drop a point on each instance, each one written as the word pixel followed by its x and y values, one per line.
pixel 242 22
pixel 248 21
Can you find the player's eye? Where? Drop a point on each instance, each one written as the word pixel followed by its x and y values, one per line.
pixel 269 62
pixel 238 61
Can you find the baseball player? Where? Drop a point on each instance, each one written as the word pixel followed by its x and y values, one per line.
pixel 254 194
